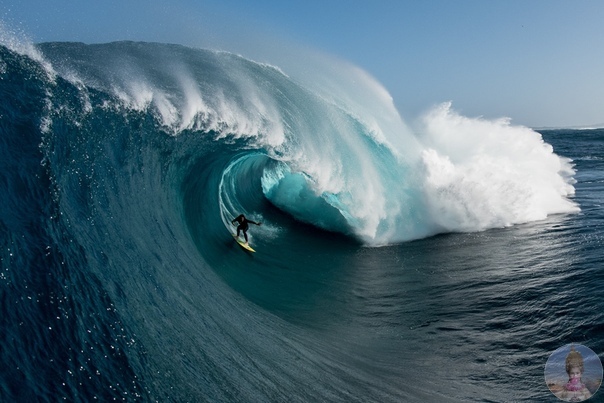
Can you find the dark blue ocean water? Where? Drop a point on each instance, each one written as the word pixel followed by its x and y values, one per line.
pixel 122 164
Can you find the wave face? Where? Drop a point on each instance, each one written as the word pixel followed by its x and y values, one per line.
pixel 328 159
pixel 124 163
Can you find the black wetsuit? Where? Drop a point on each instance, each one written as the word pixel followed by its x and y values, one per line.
pixel 243 225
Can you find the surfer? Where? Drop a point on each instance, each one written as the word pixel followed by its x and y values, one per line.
pixel 243 225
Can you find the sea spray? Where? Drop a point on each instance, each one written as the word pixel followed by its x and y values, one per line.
pixel 488 173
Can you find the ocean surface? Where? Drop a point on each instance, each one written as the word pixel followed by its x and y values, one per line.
pixel 440 260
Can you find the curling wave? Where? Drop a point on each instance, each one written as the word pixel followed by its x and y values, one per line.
pixel 147 152
pixel 335 164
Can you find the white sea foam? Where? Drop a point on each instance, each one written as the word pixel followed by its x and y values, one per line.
pixel 488 173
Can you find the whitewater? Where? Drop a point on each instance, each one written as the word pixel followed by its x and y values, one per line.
pixel 387 248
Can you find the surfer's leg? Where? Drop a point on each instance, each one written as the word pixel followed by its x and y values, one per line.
pixel 245 235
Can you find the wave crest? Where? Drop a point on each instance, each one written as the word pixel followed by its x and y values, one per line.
pixel 344 158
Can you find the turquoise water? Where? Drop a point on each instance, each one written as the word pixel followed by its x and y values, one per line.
pixel 441 262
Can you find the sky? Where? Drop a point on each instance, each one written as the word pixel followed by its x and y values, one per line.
pixel 538 62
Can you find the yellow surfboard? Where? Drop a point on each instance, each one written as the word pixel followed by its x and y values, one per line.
pixel 243 244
